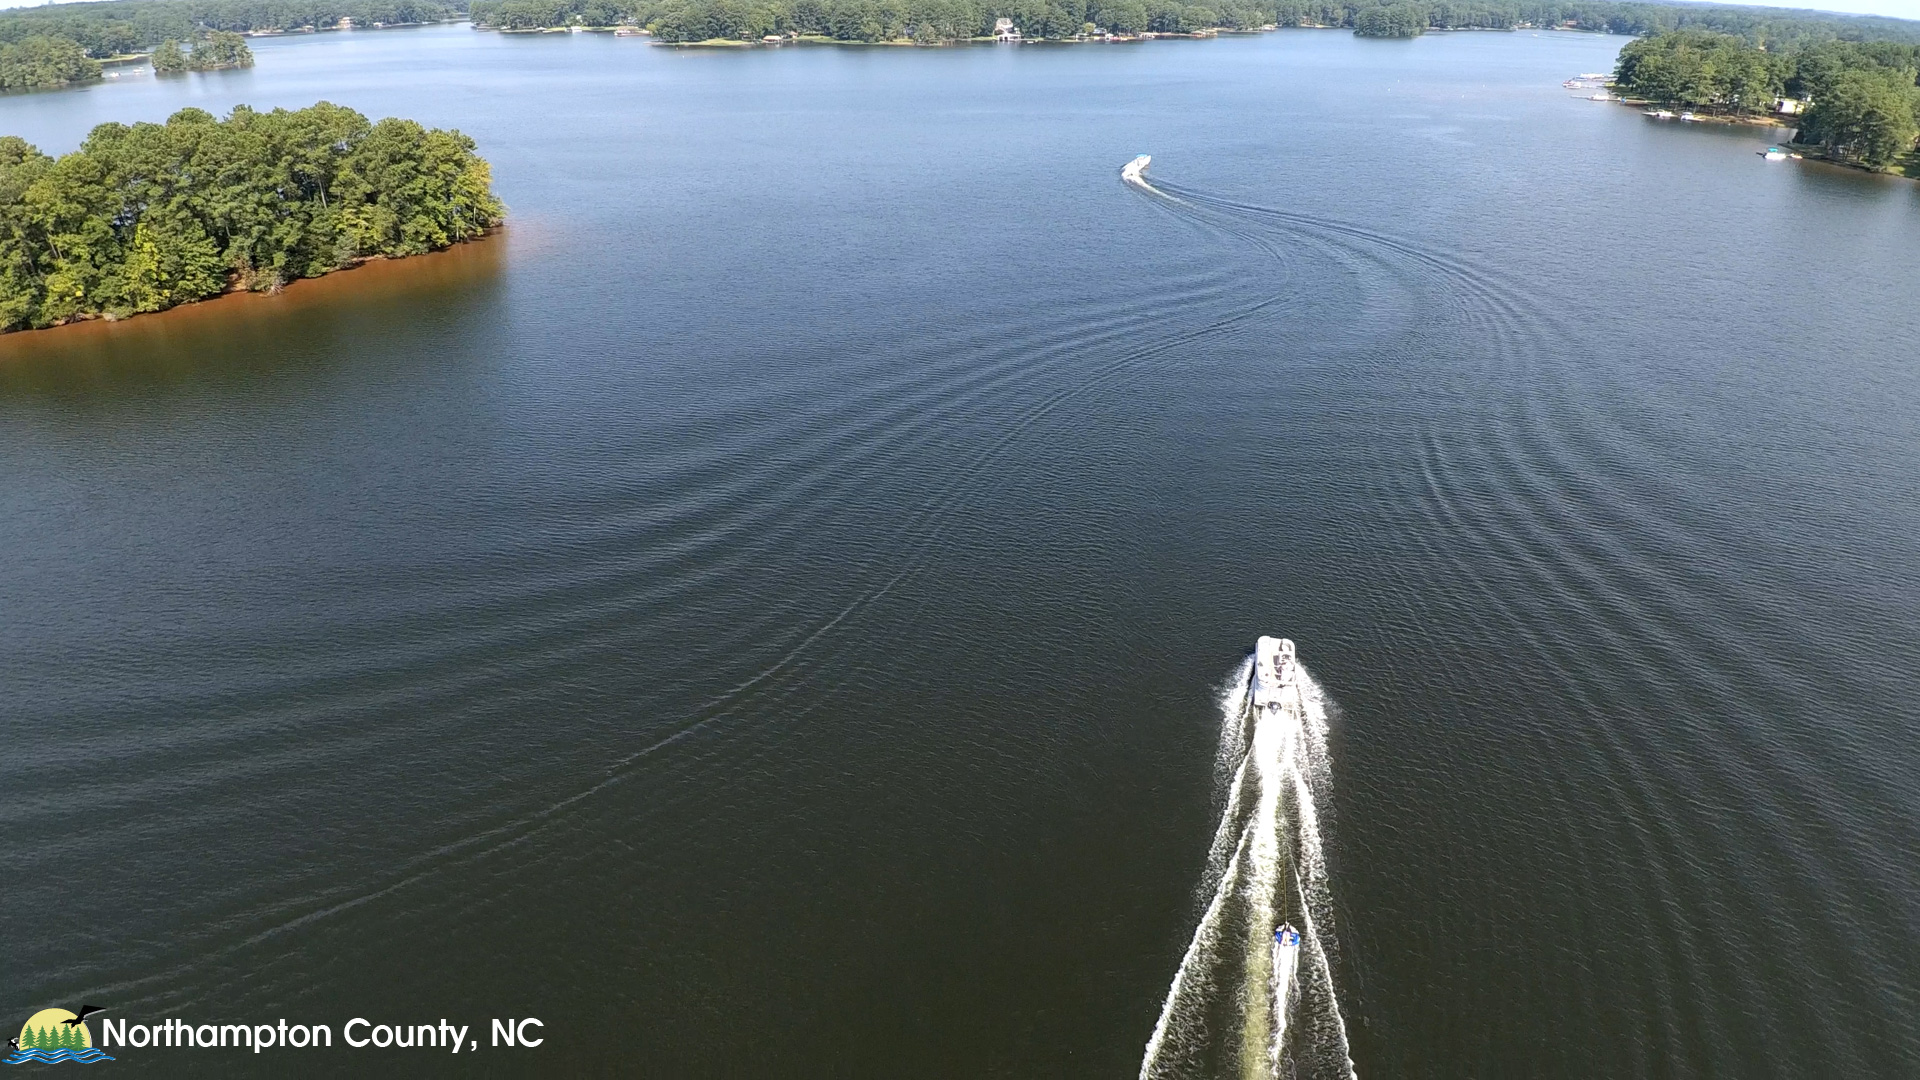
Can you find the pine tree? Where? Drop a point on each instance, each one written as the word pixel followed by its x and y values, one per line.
pixel 69 1038
pixel 29 1039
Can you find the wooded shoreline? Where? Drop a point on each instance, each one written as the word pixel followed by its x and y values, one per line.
pixel 1853 103
pixel 147 217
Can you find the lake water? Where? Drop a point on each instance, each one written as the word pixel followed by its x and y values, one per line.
pixel 765 613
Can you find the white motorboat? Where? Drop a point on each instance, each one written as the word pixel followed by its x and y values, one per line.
pixel 1275 674
pixel 1286 961
pixel 1130 172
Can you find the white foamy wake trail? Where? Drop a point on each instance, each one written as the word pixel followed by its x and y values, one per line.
pixel 1239 1006
pixel 1134 173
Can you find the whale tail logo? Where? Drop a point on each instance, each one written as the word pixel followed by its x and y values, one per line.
pixel 55 1035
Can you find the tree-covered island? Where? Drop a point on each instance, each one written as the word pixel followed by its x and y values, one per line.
pixel 1856 102
pixel 147 216
pixel 216 50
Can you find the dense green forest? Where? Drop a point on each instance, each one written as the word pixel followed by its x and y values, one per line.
pixel 949 20
pixel 147 216
pixel 1864 96
pixel 35 62
pixel 1393 21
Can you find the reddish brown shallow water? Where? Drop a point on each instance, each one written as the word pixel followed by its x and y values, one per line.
pixel 153 334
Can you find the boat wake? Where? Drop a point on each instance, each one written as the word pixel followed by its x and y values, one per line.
pixel 1253 997
pixel 1134 173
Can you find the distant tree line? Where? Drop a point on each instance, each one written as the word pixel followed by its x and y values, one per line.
pixel 1863 97
pixel 147 216
pixel 949 20
pixel 38 45
pixel 218 49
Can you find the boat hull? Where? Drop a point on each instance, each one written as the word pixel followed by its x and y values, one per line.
pixel 1275 674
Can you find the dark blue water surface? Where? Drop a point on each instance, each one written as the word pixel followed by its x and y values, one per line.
pixel 762 614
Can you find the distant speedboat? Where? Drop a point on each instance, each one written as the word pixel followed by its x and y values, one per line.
pixel 1286 936
pixel 1130 172
pixel 1774 153
pixel 1689 118
pixel 1660 114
